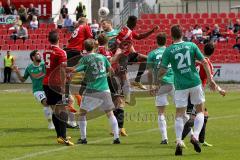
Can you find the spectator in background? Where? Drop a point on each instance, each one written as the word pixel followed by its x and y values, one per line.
pixel 188 34
pixel 31 11
pixel 79 11
pixel 236 26
pixel 95 28
pixel 230 25
pixel 215 33
pixel 2 11
pixel 8 9
pixel 8 64
pixel 22 12
pixel 34 23
pixel 16 24
pixel 68 23
pixel 198 33
pixel 21 33
pixel 64 11
pixel 84 11
pixel 60 22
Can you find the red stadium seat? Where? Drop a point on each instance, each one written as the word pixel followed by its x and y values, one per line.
pixel 41 47
pixel 191 21
pixel 214 15
pixel 52 26
pixel 3 31
pixel 33 36
pixel 200 21
pixel 37 41
pixel 174 21
pixel 42 25
pixel 209 21
pixel 38 31
pixel 28 41
pixel 231 15
pixel 147 21
pixel 196 15
pixel 165 21
pixel 32 47
pixel 182 21
pixel 170 16
pixel 188 15
pixel 14 47
pixel 205 15
pixel 223 15
pixel 42 36
pixel 152 16
pixel 179 16
pixel 5 47
pixel 143 16
pixel 161 16
pixel 19 41
pixel 156 21
pixel 218 20
pixel 9 42
pixel 22 47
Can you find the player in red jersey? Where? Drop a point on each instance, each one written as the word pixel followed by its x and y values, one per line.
pixel 126 53
pixel 54 85
pixel 127 34
pixel 75 48
pixel 208 51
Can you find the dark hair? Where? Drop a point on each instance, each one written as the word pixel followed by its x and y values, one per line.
pixel 161 39
pixel 89 44
pixel 53 37
pixel 32 54
pixel 102 39
pixel 176 32
pixel 132 21
pixel 209 49
pixel 107 21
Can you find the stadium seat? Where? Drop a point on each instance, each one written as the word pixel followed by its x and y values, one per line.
pixel 200 21
pixel 191 21
pixel 174 21
pixel 33 36
pixel 183 21
pixel 204 15
pixel 156 21
pixel 28 41
pixel 19 41
pixel 32 47
pixel 188 15
pixel 5 47
pixel 3 32
pixel 42 25
pixel 9 42
pixel 52 26
pixel 161 16
pixel 179 16
pixel 147 21
pixel 209 21
pixel 222 15
pixel 38 31
pixel 196 15
pixel 152 16
pixel 42 36
pixel 217 20
pixel 165 21
pixel 41 47
pixel 143 16
pixel 37 41
pixel 231 15
pixel 214 15
pixel 13 47
pixel 22 47
pixel 170 16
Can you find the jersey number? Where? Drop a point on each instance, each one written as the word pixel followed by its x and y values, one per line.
pixel 158 58
pixel 75 33
pixel 48 60
pixel 181 63
pixel 98 67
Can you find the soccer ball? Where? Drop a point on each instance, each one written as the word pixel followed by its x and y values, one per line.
pixel 103 12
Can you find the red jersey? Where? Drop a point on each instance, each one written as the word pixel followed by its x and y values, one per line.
pixel 102 50
pixel 126 34
pixel 53 58
pixel 78 37
pixel 202 72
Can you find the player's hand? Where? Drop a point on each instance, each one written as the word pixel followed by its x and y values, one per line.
pixel 222 92
pixel 70 69
pixel 155 28
pixel 212 85
pixel 15 68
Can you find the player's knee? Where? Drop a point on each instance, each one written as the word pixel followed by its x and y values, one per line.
pixel 189 123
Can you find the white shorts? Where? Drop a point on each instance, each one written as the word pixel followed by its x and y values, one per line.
pixel 101 100
pixel 196 95
pixel 40 96
pixel 163 93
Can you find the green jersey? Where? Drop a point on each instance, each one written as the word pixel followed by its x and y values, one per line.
pixel 182 57
pixel 153 62
pixel 36 73
pixel 95 67
pixel 110 34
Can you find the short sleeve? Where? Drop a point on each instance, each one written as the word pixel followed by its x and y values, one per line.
pixel 81 66
pixel 149 61
pixel 198 53
pixel 63 57
pixel 107 63
pixel 135 34
pixel 26 74
pixel 165 59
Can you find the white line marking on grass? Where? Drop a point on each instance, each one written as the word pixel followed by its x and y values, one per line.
pixel 104 139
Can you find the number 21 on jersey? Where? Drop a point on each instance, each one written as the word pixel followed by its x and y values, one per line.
pixel 182 63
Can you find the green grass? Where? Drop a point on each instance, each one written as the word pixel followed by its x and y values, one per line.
pixel 23 132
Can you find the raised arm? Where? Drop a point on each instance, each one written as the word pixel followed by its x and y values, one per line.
pixel 146 34
pixel 20 77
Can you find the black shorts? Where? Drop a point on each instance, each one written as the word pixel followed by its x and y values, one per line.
pixel 52 96
pixel 73 57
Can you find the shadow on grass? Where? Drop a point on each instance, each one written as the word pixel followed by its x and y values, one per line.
pixel 24 130
pixel 28 145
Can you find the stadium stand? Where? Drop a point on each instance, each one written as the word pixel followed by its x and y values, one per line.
pixel 224 50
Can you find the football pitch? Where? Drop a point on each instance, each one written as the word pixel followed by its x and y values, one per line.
pixel 24 133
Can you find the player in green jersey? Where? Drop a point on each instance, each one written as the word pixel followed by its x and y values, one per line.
pixel 97 93
pixel 167 88
pixel 36 71
pixel 182 56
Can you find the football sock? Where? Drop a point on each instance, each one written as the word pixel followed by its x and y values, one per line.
pixel 179 128
pixel 203 131
pixel 83 127
pixel 47 112
pixel 79 99
pixel 162 126
pixel 187 128
pixel 142 68
pixel 114 124
pixel 63 123
pixel 56 124
pixel 198 124
pixel 119 114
